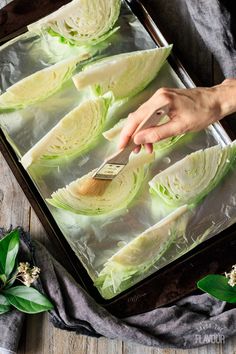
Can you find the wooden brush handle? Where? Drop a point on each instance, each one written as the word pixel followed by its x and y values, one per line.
pixel 151 121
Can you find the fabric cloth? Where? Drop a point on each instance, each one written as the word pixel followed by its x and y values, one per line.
pixel 183 325
pixel 198 30
pixel 216 23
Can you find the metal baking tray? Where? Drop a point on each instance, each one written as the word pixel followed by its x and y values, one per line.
pixel 173 280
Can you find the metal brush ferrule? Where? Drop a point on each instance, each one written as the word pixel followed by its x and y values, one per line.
pixel 108 171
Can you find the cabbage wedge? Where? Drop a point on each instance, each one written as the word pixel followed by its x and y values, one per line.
pixel 119 194
pixel 73 135
pixel 39 85
pixel 124 74
pixel 115 131
pixel 138 256
pixel 81 21
pixel 189 180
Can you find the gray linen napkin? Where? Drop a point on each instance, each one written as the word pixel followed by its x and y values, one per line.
pixel 182 325
pixel 215 22
pixel 205 27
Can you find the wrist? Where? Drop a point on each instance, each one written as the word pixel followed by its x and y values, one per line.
pixel 225 97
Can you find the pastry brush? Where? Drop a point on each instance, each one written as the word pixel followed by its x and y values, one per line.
pixel 112 166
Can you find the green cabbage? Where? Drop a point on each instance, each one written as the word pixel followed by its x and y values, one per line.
pixel 115 131
pixel 189 180
pixel 138 256
pixel 74 134
pixel 81 21
pixel 119 194
pixel 39 85
pixel 124 74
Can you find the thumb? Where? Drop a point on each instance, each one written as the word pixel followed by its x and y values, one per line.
pixel 152 135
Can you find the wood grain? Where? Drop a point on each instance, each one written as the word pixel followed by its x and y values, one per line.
pixel 39 336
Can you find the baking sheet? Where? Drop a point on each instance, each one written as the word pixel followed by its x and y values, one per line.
pixel 95 239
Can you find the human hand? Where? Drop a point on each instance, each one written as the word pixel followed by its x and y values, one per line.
pixel 190 110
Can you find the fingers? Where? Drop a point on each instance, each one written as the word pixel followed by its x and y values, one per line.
pixel 132 124
pixel 161 98
pixel 149 148
pixel 137 149
pixel 190 110
pixel 124 139
pixel 153 135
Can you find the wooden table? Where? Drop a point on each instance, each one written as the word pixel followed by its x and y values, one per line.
pixel 39 336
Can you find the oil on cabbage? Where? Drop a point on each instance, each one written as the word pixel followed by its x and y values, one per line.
pixel 138 256
pixel 81 21
pixel 73 135
pixel 124 74
pixel 119 194
pixel 189 180
pixel 39 85
pixel 115 131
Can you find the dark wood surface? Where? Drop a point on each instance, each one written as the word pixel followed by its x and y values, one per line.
pixel 15 17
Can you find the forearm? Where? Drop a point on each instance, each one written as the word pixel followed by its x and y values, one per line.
pixel 225 94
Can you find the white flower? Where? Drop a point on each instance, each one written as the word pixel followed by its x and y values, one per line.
pixel 232 276
pixel 27 274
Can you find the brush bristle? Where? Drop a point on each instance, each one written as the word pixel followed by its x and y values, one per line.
pixel 93 187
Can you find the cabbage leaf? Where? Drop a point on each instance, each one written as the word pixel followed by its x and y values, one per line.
pixel 138 256
pixel 119 194
pixel 124 74
pixel 115 131
pixel 81 22
pixel 39 85
pixel 189 180
pixel 73 135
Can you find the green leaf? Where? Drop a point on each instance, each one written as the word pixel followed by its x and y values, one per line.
pixel 9 247
pixel 27 300
pixel 3 278
pixel 4 304
pixel 217 286
pixel 12 279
